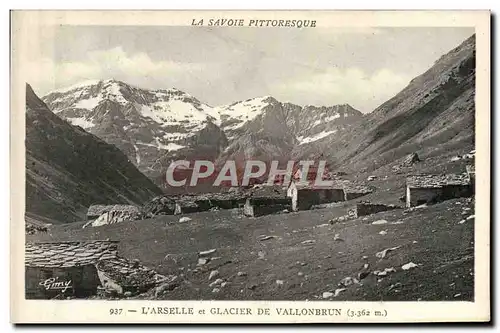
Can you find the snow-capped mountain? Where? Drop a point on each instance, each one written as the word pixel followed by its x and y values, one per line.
pixel 154 127
pixel 144 124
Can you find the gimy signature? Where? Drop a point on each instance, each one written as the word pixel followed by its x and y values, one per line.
pixel 55 284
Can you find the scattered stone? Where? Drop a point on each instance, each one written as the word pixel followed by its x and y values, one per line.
pixel 382 254
pixel 242 274
pixel 300 274
pixel 398 284
pixel 347 281
pixel 414 242
pixel 408 266
pixel 370 178
pixel 285 211
pixel 308 242
pixel 385 271
pixel 363 275
pixel 265 237
pixel 383 233
pixel 337 238
pixel 397 222
pixel 215 290
pixel 261 254
pixel 338 291
pixel 168 286
pixel 322 225
pixel 378 222
pixel 457 295
pixel 280 282
pixel 202 261
pixel 207 252
pixel 127 294
pixel 470 217
pixel 252 286
pixel 184 219
pixel 303 263
pixel 216 282
pixel 327 294
pixel 461 222
pixel 223 284
pixel 213 274
pixel 364 257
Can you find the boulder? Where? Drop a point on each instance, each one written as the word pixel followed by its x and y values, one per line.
pixel 410 159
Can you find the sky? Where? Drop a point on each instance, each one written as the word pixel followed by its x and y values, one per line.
pixel 362 67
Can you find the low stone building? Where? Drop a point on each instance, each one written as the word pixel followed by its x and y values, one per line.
pixel 222 200
pixel 425 189
pixel 354 190
pixel 304 195
pixel 95 211
pixel 58 270
pixel 368 208
pixel 471 171
pixel 264 200
pixel 187 205
pixel 114 214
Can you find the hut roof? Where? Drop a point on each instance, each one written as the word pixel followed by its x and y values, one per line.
pixel 271 192
pixel 437 181
pixel 68 254
pixel 337 184
pixel 352 187
pixel 98 210
pixel 129 273
pixel 186 202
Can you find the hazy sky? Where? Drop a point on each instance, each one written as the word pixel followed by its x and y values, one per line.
pixel 362 66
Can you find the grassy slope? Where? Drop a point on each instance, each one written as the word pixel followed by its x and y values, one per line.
pixel 444 249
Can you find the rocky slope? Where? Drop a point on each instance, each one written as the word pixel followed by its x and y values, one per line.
pixel 433 116
pixel 68 169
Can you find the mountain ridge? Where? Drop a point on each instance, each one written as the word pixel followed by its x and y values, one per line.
pixel 68 169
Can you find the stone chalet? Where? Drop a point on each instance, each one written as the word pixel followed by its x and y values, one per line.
pixel 304 195
pixel 81 269
pixel 423 189
pixel 95 211
pixel 264 200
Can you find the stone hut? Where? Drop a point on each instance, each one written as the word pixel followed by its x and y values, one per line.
pixel 95 211
pixel 471 171
pixel 264 200
pixel 222 200
pixel 187 205
pixel 114 214
pixel 423 189
pixel 354 190
pixel 368 208
pixel 305 195
pixel 59 270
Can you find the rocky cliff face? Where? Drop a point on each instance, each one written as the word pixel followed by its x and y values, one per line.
pixel 68 169
pixel 433 116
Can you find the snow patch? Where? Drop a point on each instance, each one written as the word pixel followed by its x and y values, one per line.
pixel 82 122
pixel 89 104
pixel 308 139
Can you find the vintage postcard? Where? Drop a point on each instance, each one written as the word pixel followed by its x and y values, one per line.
pixel 250 166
